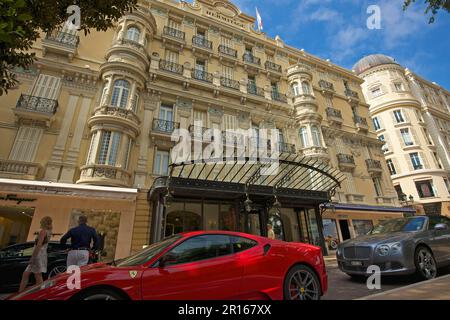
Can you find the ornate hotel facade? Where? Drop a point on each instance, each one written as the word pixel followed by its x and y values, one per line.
pixel 412 116
pixel 88 131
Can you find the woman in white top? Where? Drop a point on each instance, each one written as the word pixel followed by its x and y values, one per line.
pixel 38 261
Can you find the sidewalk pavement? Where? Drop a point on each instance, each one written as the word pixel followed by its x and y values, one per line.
pixel 435 289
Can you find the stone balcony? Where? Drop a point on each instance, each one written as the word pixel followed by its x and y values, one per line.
pixel 36 108
pixel 14 169
pixel 326 86
pixel 104 175
pixel 374 167
pixel 273 67
pixel 174 36
pixel 334 116
pixel 315 152
pixel 346 162
pixel 61 42
pixel 361 123
pixel 351 95
pixel 115 115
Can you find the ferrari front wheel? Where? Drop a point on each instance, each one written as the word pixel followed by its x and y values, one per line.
pixel 301 283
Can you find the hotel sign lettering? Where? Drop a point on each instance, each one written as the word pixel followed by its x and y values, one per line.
pixel 224 18
pixel 14 197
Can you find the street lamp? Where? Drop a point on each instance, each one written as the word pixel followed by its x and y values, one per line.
pixel 407 200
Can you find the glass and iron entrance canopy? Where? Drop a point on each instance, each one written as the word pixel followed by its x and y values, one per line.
pixel 287 172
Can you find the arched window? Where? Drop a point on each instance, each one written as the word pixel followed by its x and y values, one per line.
pixel 316 136
pixel 120 93
pixel 305 88
pixel 133 33
pixel 295 89
pixel 304 137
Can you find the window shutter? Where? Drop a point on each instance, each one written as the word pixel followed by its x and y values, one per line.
pixel 47 87
pixel 415 138
pixel 400 138
pixel 408 161
pixel 398 168
pixel 424 160
pixel 171 56
pixel 26 144
pixel 93 148
pixel 229 122
pixel 200 117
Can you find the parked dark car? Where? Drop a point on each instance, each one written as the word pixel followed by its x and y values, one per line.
pixel 404 246
pixel 14 259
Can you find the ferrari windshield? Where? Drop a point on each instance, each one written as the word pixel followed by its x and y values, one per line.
pixel 148 253
pixel 399 225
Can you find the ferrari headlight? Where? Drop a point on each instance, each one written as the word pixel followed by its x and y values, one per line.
pixel 383 250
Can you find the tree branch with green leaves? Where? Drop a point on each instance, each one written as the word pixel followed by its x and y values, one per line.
pixel 432 6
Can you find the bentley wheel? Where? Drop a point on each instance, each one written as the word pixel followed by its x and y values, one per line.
pixel 425 263
pixel 301 283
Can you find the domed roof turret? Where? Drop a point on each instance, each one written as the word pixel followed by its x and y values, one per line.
pixel 371 61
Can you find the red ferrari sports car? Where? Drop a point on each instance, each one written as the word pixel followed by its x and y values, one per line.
pixel 203 265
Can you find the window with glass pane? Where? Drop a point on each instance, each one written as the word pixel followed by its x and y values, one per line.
pixel 376 92
pixel 362 227
pixel 376 123
pixel 202 248
pixel 316 136
pixel 415 160
pixel 406 137
pixel 161 164
pixel 425 189
pixel 113 149
pixel 399 116
pixel 242 244
pixel 399 191
pixel 391 167
pixel 377 186
pixel 305 87
pixel 104 146
pixel 135 103
pixel 398 86
pixel 304 137
pixel 295 89
pixel 133 34
pixel 120 93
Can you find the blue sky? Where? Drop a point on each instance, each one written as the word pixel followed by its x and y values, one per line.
pixel 336 30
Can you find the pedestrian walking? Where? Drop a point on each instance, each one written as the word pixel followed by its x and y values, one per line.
pixel 38 261
pixel 81 238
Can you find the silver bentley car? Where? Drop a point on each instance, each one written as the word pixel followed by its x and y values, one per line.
pixel 419 244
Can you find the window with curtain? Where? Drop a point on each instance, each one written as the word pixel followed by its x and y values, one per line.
pixel 133 34
pixel 304 137
pixel 109 147
pixel 305 87
pixel 316 136
pixel 120 93
pixel 161 164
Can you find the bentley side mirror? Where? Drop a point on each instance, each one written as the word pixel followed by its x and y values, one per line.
pixel 167 260
pixel 441 226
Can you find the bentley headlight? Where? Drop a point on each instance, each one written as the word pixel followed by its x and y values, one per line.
pixel 383 250
pixel 396 247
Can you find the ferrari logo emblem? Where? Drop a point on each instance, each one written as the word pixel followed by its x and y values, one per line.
pixel 133 274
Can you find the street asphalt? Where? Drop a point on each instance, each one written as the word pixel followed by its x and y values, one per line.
pixel 342 287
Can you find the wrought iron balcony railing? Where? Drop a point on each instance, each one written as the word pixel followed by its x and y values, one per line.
pixel 351 94
pixel 229 83
pixel 360 120
pixel 65 38
pixel 37 104
pixel 171 66
pixel 174 33
pixel 257 91
pixel 249 58
pixel 202 42
pixel 331 112
pixel 345 159
pixel 228 51
pixel 273 66
pixel 326 85
pixel 165 126
pixel 202 75
pixel 280 97
pixel 196 131
pixel 373 164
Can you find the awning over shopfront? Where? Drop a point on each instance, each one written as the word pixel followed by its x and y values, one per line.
pixel 289 175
